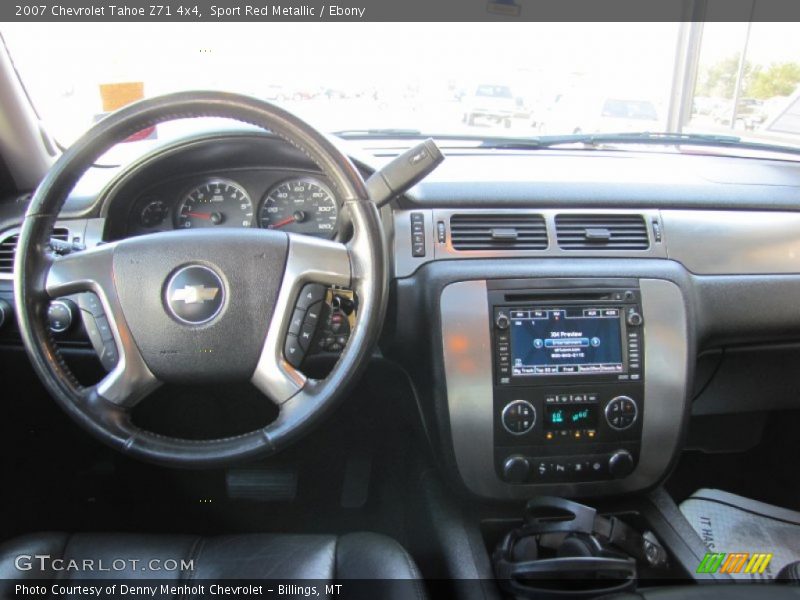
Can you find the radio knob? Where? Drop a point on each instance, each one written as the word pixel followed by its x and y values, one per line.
pixel 620 464
pixel 502 321
pixel 516 469
pixel 634 319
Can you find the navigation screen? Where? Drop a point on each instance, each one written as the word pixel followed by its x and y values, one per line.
pixel 566 341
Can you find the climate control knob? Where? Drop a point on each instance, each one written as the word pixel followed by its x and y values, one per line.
pixel 621 412
pixel 620 464
pixel 518 417
pixel 516 469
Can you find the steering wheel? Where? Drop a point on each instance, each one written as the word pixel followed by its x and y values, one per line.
pixel 158 293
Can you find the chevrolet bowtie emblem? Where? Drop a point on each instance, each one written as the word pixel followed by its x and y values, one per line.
pixel 194 294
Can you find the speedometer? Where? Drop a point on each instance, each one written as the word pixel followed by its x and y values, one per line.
pixel 217 202
pixel 301 205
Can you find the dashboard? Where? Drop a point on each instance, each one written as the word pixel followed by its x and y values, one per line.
pixel 556 310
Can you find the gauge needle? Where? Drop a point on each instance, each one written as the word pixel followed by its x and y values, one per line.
pixel 197 215
pixel 282 223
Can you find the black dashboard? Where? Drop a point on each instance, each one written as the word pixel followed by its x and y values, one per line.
pixel 703 250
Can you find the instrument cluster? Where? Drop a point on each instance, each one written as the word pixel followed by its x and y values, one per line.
pixel 296 203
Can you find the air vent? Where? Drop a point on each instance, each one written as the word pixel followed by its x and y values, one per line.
pixel 8 248
pixel 602 232
pixel 498 232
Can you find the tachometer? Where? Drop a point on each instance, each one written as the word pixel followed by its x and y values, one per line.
pixel 217 202
pixel 301 205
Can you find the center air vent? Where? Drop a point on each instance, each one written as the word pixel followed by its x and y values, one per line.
pixel 8 248
pixel 498 232
pixel 602 232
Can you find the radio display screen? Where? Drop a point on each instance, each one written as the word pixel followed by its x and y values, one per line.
pixel 571 417
pixel 566 341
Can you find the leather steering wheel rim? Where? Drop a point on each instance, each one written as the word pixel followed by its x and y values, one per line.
pixel 104 409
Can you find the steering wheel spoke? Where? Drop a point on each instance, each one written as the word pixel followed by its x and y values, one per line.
pixel 92 271
pixel 309 261
pixel 89 270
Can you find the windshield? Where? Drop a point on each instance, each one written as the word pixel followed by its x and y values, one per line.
pixel 476 80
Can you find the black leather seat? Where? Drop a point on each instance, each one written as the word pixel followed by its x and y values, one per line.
pixel 325 558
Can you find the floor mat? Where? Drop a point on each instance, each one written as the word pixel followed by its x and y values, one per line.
pixel 728 524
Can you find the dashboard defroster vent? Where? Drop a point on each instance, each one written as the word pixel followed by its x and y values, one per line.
pixel 8 248
pixel 498 232
pixel 601 232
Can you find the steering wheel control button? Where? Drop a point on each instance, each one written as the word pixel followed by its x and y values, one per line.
pixel 311 294
pixel 518 417
pixel 293 351
pixel 59 316
pixel 109 356
pixel 306 335
pixel 313 313
pixel 297 321
pixel 621 412
pixel 90 303
pixel 194 295
pixel 104 329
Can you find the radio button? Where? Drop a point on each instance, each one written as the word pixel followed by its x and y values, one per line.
pixel 518 417
pixel 541 469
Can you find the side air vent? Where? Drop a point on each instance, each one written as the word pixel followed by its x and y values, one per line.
pixel 498 232
pixel 8 248
pixel 602 232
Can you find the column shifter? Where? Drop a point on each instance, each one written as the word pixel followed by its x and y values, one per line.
pixel 405 171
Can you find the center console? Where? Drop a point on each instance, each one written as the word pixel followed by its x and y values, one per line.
pixel 568 381
pixel 564 386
